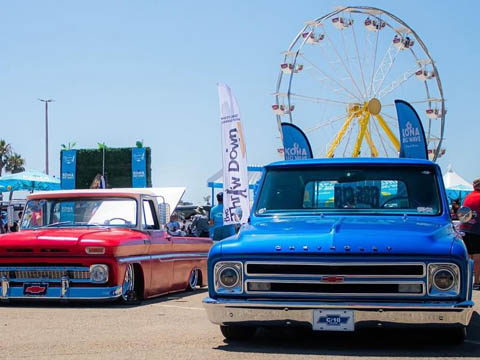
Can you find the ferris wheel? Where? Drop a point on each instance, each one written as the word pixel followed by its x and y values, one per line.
pixel 341 74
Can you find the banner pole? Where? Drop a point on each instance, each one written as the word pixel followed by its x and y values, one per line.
pixel 103 159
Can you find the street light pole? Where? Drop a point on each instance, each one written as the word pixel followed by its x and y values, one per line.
pixel 46 132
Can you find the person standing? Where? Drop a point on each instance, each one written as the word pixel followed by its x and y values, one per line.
pixel 173 225
pixel 218 231
pixel 454 206
pixel 3 222
pixel 472 230
pixel 200 223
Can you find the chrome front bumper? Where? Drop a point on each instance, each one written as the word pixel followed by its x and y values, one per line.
pixel 64 291
pixel 270 313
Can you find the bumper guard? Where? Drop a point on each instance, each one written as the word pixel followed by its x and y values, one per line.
pixel 269 313
pixel 64 291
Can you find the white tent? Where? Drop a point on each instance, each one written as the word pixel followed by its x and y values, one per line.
pixel 216 180
pixel 456 186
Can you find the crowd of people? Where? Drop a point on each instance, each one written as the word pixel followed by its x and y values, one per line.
pixel 202 224
pixel 197 225
pixel 4 228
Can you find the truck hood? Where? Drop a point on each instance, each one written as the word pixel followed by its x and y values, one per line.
pixel 366 235
pixel 65 240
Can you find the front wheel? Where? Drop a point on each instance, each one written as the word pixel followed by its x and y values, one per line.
pixel 238 332
pixel 129 294
pixel 193 280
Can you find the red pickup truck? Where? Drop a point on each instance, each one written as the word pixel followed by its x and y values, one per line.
pixel 100 244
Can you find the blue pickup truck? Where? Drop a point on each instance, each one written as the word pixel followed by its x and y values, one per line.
pixel 339 244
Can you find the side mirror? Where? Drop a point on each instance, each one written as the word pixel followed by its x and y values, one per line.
pixel 464 214
pixel 164 213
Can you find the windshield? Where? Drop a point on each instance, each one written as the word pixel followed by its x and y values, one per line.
pixel 80 212
pixel 356 190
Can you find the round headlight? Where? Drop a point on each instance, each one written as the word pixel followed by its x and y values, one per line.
pixel 99 273
pixel 443 279
pixel 228 277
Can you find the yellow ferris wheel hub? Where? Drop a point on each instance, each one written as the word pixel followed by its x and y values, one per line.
pixel 363 113
pixel 374 107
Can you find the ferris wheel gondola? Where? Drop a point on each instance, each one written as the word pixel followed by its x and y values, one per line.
pixel 341 75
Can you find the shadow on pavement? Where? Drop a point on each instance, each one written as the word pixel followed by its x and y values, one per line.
pixel 177 297
pixel 365 342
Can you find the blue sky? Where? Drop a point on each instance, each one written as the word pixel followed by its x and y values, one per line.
pixel 122 71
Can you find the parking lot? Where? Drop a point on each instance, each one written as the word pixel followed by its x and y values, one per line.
pixel 176 327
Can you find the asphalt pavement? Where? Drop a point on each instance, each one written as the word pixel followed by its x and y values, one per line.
pixel 176 327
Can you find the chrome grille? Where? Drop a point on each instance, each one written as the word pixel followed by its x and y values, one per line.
pixel 44 273
pixel 335 278
pixel 307 269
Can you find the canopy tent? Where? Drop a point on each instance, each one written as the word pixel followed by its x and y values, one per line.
pixel 28 180
pixel 216 180
pixel 456 186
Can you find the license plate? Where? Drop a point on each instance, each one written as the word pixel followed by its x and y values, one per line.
pixel 333 320
pixel 35 289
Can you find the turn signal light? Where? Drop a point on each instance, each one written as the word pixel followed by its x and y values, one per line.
pixel 259 286
pixel 95 250
pixel 410 288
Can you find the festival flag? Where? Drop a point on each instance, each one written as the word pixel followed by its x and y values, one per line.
pixel 412 136
pixel 236 202
pixel 295 143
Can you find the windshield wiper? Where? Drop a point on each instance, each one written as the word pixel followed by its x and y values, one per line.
pixel 58 223
pixel 90 224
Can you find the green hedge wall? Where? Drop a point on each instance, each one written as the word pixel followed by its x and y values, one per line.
pixel 118 167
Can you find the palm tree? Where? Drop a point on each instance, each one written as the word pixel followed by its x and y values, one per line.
pixel 15 163
pixel 5 152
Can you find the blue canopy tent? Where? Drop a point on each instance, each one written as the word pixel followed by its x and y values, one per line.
pixel 28 180
pixel 216 180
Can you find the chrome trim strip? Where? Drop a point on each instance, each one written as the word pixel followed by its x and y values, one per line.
pixel 166 257
pixel 336 264
pixel 57 238
pixel 334 294
pixel 225 312
pixel 174 256
pixel 133 259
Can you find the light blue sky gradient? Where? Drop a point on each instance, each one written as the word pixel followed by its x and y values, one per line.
pixel 122 71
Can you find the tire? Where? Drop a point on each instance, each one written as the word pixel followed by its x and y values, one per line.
pixel 129 287
pixel 238 332
pixel 193 280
